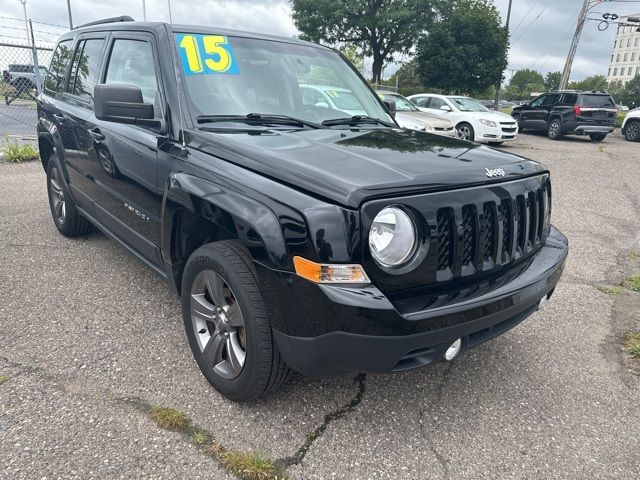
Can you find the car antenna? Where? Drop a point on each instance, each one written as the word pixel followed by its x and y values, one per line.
pixel 184 152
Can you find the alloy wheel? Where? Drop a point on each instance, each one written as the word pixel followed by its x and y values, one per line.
pixel 218 324
pixel 633 132
pixel 464 132
pixel 58 205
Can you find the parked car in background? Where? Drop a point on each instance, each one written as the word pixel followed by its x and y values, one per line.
pixel 631 126
pixel 569 112
pixel 472 120
pixel 409 116
pixel 22 77
pixel 331 97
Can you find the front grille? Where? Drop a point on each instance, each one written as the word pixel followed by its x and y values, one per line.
pixel 445 239
pixel 482 234
pixel 468 234
pixel 474 231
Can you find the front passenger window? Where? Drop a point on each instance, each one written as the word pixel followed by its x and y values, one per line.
pixel 131 63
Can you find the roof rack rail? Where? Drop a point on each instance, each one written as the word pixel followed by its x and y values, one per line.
pixel 122 18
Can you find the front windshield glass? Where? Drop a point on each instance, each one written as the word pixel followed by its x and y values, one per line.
pixel 402 104
pixel 234 76
pixel 465 104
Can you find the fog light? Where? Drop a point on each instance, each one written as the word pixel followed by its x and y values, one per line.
pixel 453 350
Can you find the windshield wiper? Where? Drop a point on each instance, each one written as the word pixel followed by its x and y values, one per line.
pixel 259 119
pixel 357 120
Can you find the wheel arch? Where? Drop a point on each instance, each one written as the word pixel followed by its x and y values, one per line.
pixel 197 211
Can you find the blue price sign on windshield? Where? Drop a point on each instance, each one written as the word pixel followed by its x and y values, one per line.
pixel 206 54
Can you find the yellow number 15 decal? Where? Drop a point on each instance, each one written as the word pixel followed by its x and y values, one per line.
pixel 206 54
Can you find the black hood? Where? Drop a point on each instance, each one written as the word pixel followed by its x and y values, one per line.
pixel 349 167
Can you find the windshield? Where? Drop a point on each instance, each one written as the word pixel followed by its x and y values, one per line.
pixel 228 76
pixel 402 104
pixel 465 104
pixel 597 101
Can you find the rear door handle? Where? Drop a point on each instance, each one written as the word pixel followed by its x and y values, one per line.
pixel 96 134
pixel 58 117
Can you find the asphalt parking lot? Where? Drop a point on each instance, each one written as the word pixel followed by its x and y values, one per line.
pixel 89 338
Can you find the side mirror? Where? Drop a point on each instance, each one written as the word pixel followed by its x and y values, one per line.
pixel 390 106
pixel 445 108
pixel 122 104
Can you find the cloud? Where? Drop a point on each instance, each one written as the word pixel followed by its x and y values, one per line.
pixel 541 29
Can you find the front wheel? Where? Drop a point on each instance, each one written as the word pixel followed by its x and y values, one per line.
pixel 632 132
pixel 465 131
pixel 227 324
pixel 516 117
pixel 598 137
pixel 554 131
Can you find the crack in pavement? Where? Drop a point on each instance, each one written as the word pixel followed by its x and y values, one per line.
pixel 436 400
pixel 298 457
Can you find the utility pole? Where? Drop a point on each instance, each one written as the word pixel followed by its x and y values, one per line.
pixel 144 10
pixel 69 13
pixel 26 21
pixel 499 85
pixel 582 18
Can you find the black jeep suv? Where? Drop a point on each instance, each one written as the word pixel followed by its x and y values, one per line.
pixel 298 236
pixel 566 112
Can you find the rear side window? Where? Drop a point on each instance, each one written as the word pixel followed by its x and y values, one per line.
pixel 84 71
pixel 551 99
pixel 59 63
pixel 597 101
pixel 570 98
pixel 131 63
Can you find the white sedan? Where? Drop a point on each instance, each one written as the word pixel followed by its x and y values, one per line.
pixel 631 126
pixel 473 121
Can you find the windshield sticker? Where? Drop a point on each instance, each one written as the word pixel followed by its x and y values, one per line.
pixel 206 54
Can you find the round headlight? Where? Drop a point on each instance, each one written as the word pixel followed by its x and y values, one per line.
pixel 392 238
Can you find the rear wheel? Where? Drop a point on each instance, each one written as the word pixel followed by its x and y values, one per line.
pixel 227 323
pixel 598 137
pixel 465 131
pixel 554 131
pixel 632 131
pixel 66 217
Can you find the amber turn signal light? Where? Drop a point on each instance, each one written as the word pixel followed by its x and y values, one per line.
pixel 329 273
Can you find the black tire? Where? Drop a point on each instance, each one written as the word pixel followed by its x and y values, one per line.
pixel 516 117
pixel 465 131
pixel 67 219
pixel 597 137
pixel 632 131
pixel 263 370
pixel 554 131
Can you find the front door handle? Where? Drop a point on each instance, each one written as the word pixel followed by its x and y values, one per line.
pixel 96 134
pixel 58 117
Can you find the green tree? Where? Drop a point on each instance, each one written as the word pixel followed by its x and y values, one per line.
pixel 617 90
pixel 594 82
pixel 524 83
pixel 552 81
pixel 409 80
pixel 353 55
pixel 632 93
pixel 466 51
pixel 381 27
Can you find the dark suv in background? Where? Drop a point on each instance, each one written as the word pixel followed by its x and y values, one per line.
pixel 297 235
pixel 565 112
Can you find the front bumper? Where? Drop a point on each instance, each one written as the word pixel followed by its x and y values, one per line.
pixel 389 341
pixel 486 134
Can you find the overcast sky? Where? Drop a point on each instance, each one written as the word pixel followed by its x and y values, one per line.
pixel 541 30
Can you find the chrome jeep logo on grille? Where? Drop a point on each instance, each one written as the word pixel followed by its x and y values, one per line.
pixel 494 172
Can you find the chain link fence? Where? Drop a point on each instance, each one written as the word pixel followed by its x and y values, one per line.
pixel 25 53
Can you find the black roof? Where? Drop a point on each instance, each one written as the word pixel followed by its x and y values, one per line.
pixel 124 23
